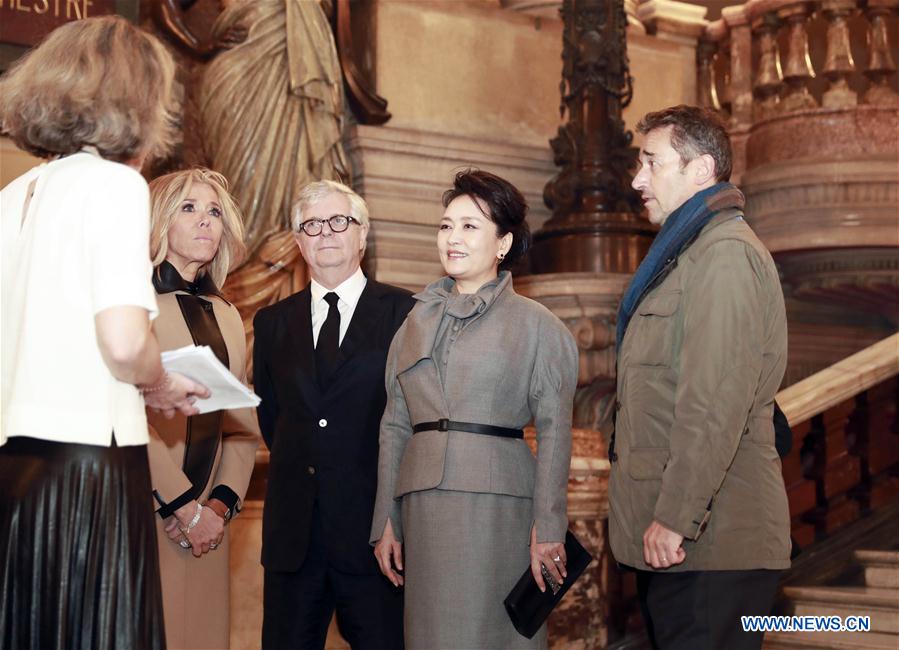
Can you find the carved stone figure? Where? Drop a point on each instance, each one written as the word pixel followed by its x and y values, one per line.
pixel 270 103
pixel 269 115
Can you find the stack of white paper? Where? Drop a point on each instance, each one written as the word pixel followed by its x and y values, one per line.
pixel 201 364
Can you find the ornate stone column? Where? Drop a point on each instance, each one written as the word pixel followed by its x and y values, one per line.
pixel 583 256
pixel 595 224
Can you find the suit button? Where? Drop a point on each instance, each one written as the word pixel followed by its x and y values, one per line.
pixel 323 423
pixel 310 469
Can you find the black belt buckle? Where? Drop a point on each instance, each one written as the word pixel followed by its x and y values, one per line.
pixel 443 424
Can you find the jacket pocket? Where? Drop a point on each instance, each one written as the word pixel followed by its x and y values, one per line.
pixel 654 341
pixel 663 304
pixel 422 465
pixel 647 463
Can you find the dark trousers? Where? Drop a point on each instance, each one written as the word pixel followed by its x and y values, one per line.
pixel 701 610
pixel 298 605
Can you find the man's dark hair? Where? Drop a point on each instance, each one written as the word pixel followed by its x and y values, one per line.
pixel 695 131
pixel 506 207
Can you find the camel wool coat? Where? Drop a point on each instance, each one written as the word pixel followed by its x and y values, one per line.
pixel 196 590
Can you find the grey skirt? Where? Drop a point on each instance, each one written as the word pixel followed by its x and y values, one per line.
pixel 463 553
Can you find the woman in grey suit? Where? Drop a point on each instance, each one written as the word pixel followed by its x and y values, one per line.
pixel 463 507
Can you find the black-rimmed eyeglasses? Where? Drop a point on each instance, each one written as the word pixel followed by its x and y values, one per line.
pixel 336 222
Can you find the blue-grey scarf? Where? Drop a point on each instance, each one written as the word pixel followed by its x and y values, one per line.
pixel 680 228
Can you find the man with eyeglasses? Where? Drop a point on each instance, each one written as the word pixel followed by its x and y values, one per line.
pixel 319 367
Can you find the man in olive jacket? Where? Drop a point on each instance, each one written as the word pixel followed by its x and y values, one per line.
pixel 698 505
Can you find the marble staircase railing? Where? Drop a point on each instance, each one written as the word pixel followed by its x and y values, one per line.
pixel 845 458
pixel 841 381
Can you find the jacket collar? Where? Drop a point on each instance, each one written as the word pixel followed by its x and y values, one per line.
pixel 166 279
pixel 723 216
pixel 460 305
pixel 364 322
pixel 347 291
pixel 439 298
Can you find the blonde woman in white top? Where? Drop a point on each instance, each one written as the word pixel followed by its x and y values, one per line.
pixel 78 557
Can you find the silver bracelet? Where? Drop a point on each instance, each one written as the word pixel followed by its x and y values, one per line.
pixel 194 521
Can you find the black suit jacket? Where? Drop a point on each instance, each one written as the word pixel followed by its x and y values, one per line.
pixel 324 445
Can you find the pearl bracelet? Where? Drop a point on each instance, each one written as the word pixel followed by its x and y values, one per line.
pixel 162 384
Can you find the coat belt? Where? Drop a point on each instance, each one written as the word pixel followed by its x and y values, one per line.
pixel 444 424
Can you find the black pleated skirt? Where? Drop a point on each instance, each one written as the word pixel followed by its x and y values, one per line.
pixel 79 566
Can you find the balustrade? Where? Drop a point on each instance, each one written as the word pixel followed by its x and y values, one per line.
pixel 838 66
pixel 767 85
pixel 880 63
pixel 844 463
pixel 713 63
pixel 790 44
pixel 845 456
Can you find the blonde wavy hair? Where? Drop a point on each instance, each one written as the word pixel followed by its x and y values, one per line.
pixel 168 193
pixel 101 82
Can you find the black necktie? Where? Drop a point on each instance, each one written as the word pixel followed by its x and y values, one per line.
pixel 328 342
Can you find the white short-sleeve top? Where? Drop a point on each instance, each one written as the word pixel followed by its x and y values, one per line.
pixel 81 246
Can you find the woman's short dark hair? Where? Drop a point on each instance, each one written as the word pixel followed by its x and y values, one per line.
pixel 99 82
pixel 694 131
pixel 506 207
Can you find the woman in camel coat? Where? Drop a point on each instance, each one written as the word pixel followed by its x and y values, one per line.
pixel 200 466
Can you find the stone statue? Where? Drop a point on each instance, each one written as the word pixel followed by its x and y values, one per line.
pixel 269 111
pixel 270 103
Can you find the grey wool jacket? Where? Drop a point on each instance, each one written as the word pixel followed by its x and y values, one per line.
pixel 492 357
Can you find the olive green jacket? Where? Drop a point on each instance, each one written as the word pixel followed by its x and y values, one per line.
pixel 699 365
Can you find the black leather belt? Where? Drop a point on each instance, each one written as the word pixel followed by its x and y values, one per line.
pixel 468 427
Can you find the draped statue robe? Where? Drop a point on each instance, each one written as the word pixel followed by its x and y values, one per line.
pixel 272 109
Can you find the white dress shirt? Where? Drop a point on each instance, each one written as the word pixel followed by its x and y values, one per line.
pixel 348 293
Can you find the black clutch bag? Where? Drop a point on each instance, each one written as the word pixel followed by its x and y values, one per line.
pixel 528 607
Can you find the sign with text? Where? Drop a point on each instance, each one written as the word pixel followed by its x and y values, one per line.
pixel 26 22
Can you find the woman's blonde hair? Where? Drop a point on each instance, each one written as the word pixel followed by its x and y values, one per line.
pixel 167 194
pixel 101 82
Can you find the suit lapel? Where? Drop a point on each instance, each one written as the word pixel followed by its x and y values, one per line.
pixel 299 328
pixel 363 324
